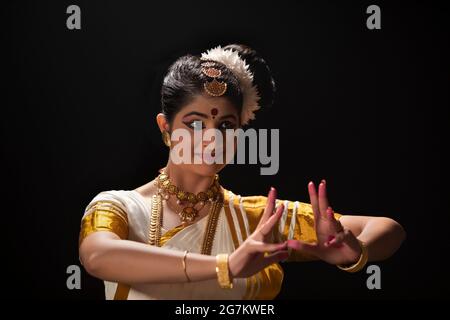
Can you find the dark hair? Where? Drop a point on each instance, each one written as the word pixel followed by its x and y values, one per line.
pixel 184 80
pixel 262 76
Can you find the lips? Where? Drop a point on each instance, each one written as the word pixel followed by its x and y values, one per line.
pixel 210 157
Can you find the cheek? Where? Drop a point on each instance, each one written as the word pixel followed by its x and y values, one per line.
pixel 229 147
pixel 182 135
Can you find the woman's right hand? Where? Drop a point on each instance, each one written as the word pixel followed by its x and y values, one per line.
pixel 249 258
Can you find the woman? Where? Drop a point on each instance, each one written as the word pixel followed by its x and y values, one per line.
pixel 184 236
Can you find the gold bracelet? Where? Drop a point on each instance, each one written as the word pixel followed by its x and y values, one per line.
pixel 223 271
pixel 361 263
pixel 184 266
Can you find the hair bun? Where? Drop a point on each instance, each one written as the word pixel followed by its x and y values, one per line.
pixel 262 76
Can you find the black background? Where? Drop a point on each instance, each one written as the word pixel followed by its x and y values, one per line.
pixel 365 109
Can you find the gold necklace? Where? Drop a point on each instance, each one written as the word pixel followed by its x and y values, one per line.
pixel 187 200
pixel 156 218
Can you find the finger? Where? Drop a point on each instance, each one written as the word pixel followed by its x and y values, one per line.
pixel 323 200
pixel 314 201
pixel 268 226
pixel 271 197
pixel 330 216
pixel 275 257
pixel 330 213
pixel 269 247
pixel 309 248
pixel 336 240
pixel 339 239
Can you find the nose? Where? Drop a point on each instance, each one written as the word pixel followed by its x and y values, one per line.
pixel 212 140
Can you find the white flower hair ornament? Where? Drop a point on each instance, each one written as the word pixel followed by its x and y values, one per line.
pixel 240 69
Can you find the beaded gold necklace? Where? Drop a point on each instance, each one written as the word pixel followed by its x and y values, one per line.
pixel 214 195
pixel 187 200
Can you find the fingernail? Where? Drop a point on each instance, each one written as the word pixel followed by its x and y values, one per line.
pixel 323 181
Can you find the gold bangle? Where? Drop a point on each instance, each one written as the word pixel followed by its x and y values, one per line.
pixel 184 266
pixel 223 271
pixel 361 263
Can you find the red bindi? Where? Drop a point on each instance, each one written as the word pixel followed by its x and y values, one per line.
pixel 214 112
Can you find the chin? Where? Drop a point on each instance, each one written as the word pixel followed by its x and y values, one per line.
pixel 208 170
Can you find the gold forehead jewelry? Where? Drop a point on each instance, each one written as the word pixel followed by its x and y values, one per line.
pixel 212 72
pixel 208 64
pixel 214 88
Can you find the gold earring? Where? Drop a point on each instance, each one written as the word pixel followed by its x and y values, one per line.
pixel 166 138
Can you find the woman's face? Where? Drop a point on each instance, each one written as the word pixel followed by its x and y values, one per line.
pixel 201 114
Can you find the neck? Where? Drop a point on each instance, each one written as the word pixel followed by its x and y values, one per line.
pixel 187 180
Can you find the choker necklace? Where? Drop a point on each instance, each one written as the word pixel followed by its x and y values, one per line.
pixel 189 201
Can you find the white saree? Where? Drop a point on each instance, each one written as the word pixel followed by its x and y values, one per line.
pixel 238 218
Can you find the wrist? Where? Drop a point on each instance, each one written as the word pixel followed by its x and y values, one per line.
pixel 232 266
pixel 360 263
pixel 224 275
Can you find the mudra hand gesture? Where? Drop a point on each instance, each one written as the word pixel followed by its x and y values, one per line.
pixel 335 244
pixel 250 257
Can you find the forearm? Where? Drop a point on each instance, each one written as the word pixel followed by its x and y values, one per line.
pixel 382 236
pixel 110 258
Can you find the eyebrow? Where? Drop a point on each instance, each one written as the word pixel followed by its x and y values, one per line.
pixel 192 113
pixel 228 116
pixel 196 113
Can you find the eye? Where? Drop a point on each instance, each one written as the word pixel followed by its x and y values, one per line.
pixel 195 124
pixel 227 125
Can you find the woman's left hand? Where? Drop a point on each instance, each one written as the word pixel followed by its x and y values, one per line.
pixel 335 244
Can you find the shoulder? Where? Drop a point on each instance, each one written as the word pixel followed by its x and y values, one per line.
pixel 117 196
pixel 147 190
pixel 124 200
